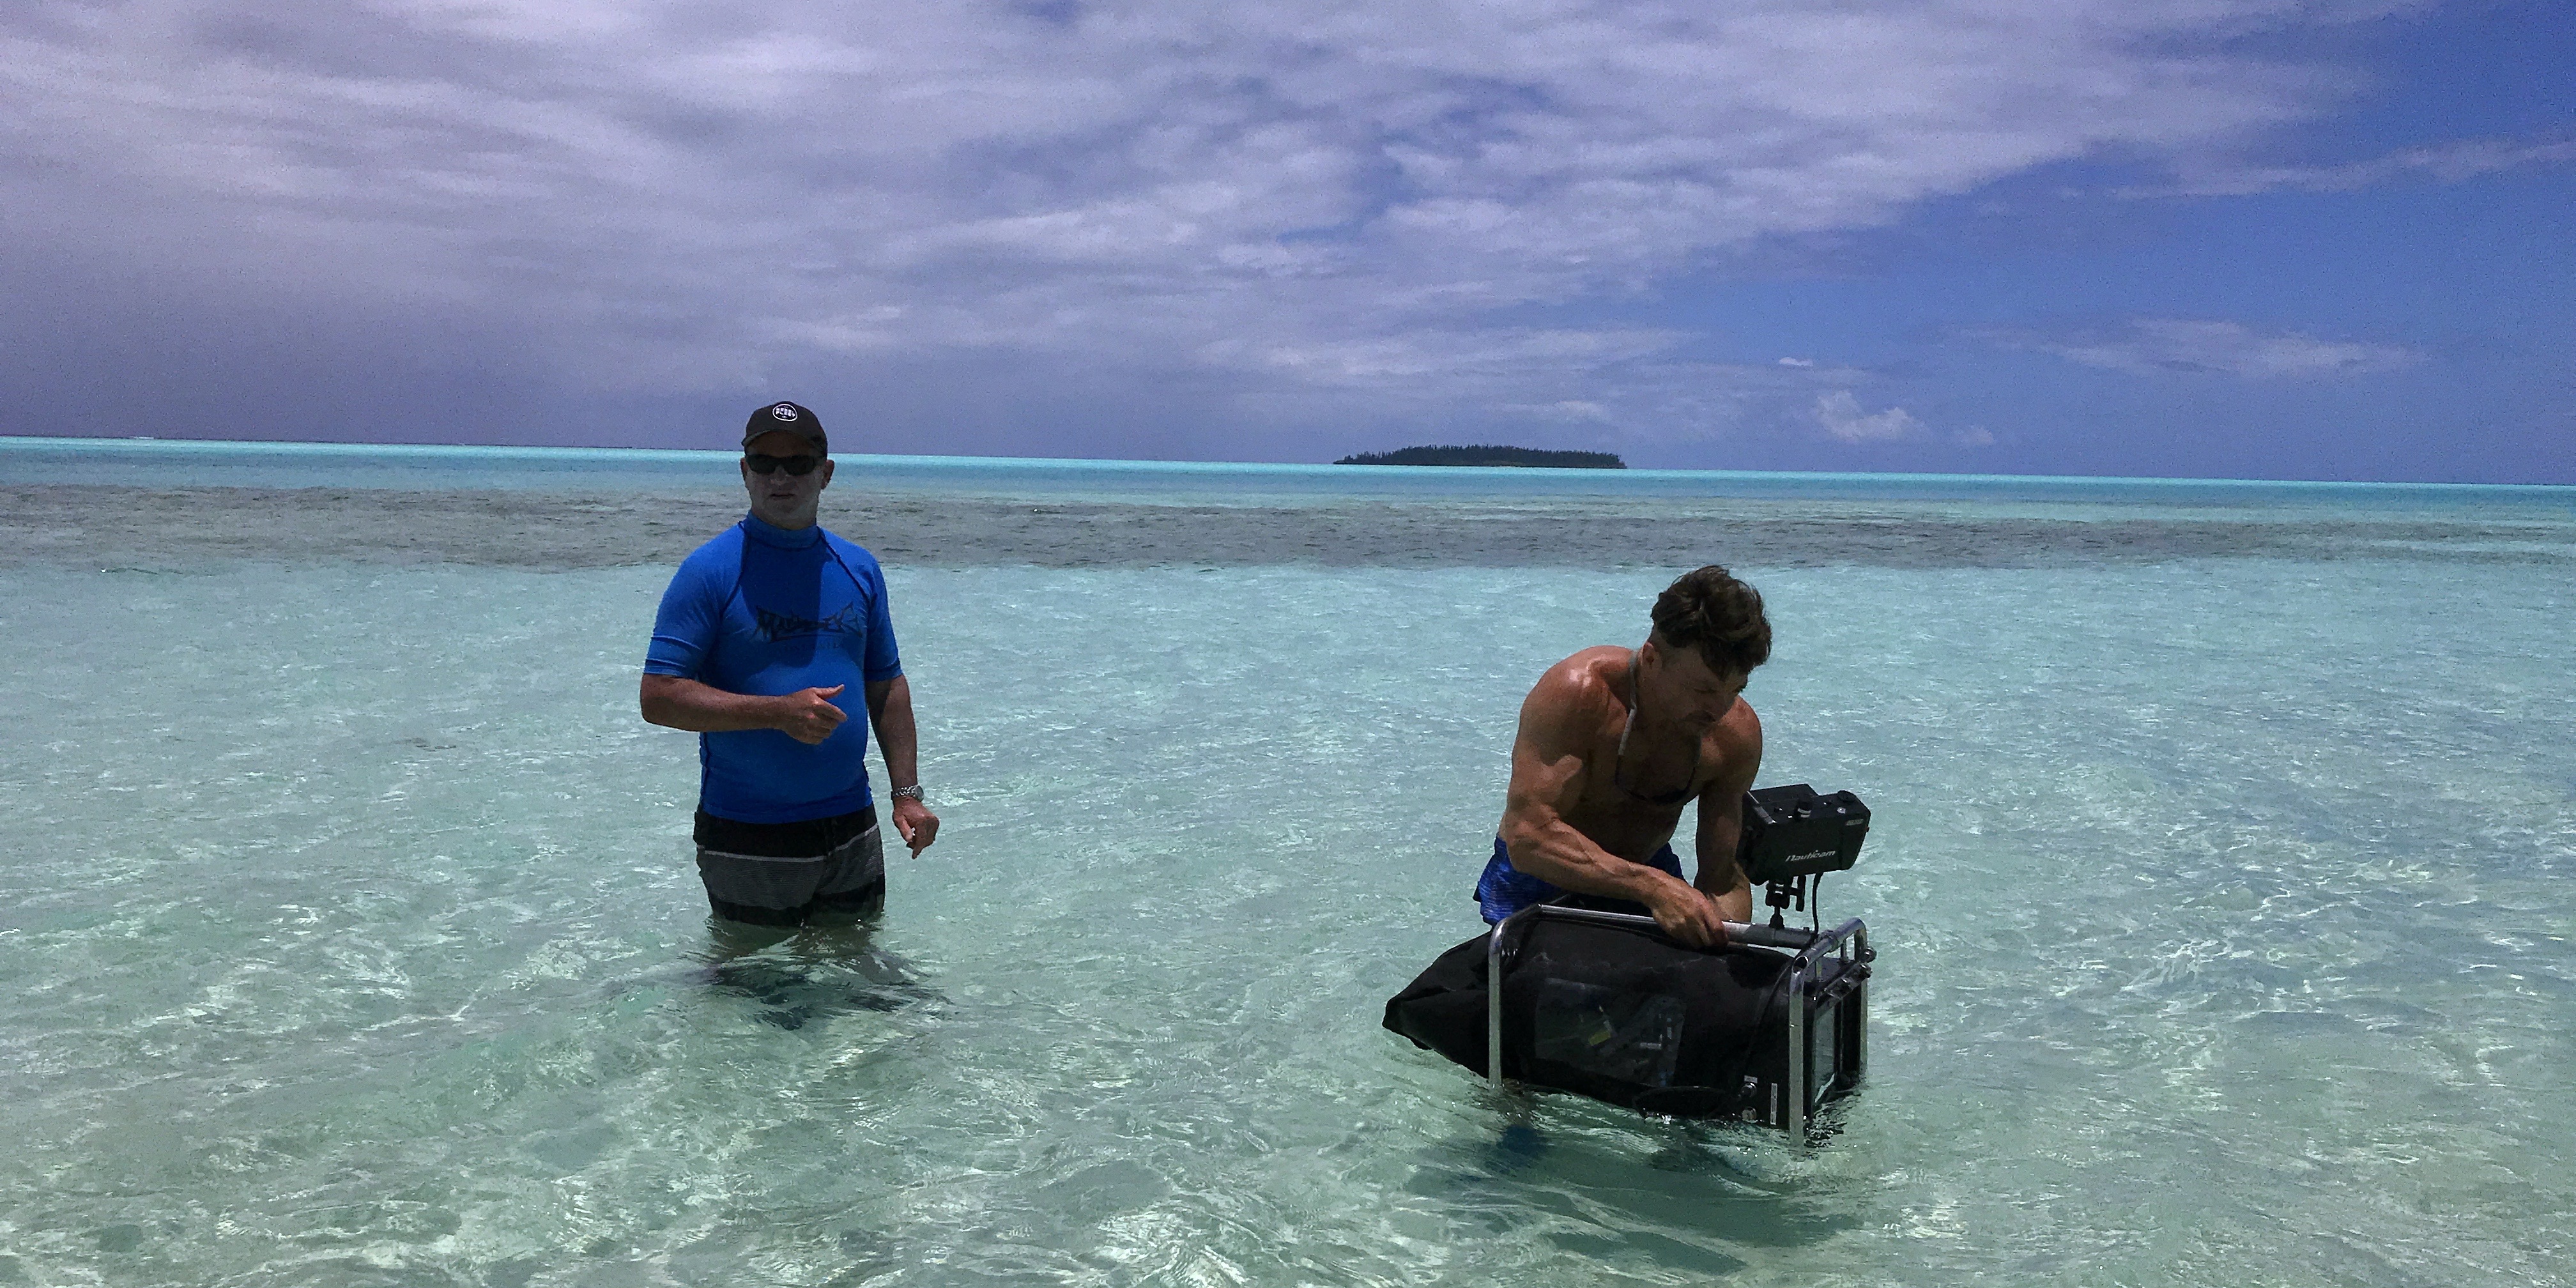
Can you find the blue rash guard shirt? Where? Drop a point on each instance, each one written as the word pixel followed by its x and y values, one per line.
pixel 768 611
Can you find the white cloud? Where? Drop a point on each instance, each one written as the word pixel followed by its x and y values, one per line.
pixel 1797 362
pixel 1843 421
pixel 2447 163
pixel 1323 196
pixel 2149 345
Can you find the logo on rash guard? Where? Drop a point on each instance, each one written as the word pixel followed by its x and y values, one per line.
pixel 788 626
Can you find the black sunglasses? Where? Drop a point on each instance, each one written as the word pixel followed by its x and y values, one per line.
pixel 800 466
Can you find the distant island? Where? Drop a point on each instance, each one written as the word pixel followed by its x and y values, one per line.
pixel 1529 457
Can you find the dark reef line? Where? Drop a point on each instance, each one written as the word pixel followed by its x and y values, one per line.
pixel 106 527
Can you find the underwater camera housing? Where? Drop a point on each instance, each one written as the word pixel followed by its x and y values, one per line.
pixel 1770 1028
pixel 1792 835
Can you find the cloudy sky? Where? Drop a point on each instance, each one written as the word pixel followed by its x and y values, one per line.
pixel 2256 238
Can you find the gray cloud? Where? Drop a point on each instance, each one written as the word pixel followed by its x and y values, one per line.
pixel 2196 345
pixel 1297 213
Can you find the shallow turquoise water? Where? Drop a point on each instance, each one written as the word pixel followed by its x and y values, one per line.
pixel 351 937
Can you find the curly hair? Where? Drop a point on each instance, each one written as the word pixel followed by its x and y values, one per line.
pixel 1710 610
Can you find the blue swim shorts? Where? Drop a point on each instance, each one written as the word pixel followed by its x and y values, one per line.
pixel 1504 889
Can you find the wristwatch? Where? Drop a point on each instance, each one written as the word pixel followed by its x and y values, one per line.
pixel 912 793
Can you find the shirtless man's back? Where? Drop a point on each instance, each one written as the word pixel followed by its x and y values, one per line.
pixel 1613 742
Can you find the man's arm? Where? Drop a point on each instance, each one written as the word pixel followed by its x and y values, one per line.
pixel 1556 725
pixel 890 710
pixel 1721 814
pixel 685 629
pixel 806 715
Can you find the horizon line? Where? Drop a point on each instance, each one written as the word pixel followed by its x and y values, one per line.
pixel 678 455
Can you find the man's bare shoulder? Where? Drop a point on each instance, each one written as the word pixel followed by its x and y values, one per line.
pixel 1587 683
pixel 1740 728
pixel 1738 746
pixel 1568 705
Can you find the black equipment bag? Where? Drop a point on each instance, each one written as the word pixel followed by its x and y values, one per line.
pixel 1614 1012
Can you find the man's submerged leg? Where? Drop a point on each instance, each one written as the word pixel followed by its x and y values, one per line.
pixel 728 938
pixel 747 904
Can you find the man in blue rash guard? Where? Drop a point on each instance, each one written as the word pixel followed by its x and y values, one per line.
pixel 762 632
pixel 1613 742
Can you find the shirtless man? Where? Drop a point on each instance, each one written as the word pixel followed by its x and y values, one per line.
pixel 1614 742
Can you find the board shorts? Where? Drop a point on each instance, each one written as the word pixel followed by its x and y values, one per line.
pixel 784 874
pixel 1504 889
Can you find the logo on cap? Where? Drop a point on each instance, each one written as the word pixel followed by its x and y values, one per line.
pixel 784 411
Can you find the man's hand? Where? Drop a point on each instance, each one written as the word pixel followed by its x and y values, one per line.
pixel 1688 915
pixel 914 822
pixel 808 716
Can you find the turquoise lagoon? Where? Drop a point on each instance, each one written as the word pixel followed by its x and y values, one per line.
pixel 2220 875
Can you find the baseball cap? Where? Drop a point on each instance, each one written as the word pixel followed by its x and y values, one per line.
pixel 786 417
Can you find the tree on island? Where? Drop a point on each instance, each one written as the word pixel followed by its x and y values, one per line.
pixel 1526 457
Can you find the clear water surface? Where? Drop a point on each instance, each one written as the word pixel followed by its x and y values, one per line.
pixel 350 934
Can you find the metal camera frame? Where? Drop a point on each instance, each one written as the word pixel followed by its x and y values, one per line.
pixel 1807 949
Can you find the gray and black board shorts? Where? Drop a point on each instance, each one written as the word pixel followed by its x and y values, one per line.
pixel 783 874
